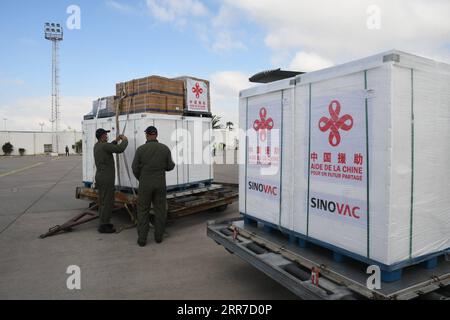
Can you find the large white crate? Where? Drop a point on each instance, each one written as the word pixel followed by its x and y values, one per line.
pixel 181 142
pixel 392 111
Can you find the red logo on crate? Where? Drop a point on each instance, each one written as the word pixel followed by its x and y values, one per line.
pixel 334 123
pixel 263 125
pixel 197 90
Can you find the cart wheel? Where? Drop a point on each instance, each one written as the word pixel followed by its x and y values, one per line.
pixel 222 208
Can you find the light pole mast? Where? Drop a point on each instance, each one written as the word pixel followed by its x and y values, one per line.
pixel 54 33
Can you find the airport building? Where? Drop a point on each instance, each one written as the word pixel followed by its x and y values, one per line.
pixel 37 142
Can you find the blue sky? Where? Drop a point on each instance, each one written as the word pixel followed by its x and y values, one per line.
pixel 224 41
pixel 114 44
pixel 111 46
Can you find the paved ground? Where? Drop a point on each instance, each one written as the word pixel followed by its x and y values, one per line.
pixel 38 192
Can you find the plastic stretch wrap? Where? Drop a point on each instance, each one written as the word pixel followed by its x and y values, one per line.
pixel 364 151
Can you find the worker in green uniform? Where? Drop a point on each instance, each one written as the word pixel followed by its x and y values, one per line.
pixel 105 175
pixel 150 164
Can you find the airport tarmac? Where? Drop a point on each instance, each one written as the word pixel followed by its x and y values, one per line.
pixel 39 192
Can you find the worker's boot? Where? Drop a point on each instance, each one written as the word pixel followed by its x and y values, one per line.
pixel 141 243
pixel 158 238
pixel 106 228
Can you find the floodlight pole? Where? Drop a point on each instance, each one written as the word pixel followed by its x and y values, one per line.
pixel 55 94
pixel 54 33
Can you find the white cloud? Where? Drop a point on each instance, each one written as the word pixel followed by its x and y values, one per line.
pixel 225 88
pixel 224 42
pixel 120 7
pixel 225 18
pixel 306 61
pixel 225 33
pixel 228 83
pixel 176 10
pixel 27 113
pixel 338 29
pixel 307 35
pixel 215 30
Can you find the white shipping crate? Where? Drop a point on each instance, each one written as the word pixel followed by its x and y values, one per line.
pixel 180 142
pixel 363 162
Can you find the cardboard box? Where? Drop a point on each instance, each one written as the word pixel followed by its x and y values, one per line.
pixel 129 86
pixel 152 84
pixel 175 105
pixel 149 102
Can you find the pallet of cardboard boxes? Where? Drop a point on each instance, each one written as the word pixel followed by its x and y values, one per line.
pixel 155 94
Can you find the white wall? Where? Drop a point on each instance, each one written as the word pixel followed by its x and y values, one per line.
pixel 229 137
pixel 33 141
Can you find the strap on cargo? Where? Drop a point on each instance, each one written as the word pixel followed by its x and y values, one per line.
pixel 367 167
pixel 412 166
pixel 93 162
pixel 309 163
pixel 176 130
pixel 209 147
pixel 127 169
pixel 128 174
pixel 187 166
pixel 118 133
pixel 281 160
pixel 246 154
pixel 124 155
pixel 98 108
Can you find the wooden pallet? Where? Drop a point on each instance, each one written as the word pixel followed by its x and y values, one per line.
pixel 180 203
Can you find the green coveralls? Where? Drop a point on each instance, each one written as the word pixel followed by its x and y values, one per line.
pixel 105 176
pixel 150 164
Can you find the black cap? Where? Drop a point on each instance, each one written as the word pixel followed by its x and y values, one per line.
pixel 101 132
pixel 151 130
